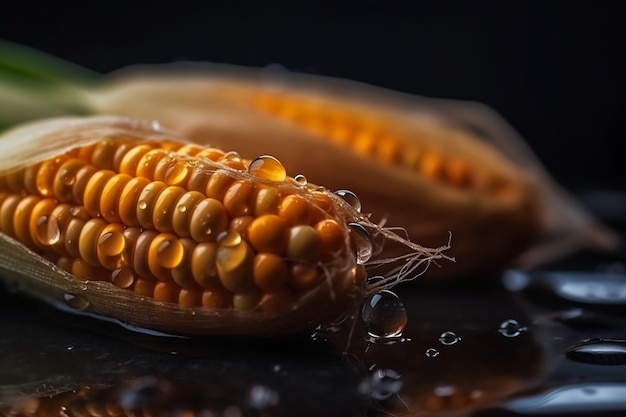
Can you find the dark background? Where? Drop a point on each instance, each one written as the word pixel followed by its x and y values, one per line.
pixel 553 69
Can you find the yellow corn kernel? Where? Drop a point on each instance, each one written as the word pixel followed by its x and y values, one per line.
pixel 167 226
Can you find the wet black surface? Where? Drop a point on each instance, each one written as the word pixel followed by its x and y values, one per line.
pixel 549 342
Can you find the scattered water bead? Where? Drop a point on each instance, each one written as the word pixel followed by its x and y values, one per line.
pixel 301 180
pixel 382 384
pixel 48 230
pixel 511 328
pixel 384 315
pixel 268 167
pixel 363 241
pixel 449 338
pixel 599 352
pixel 351 198
pixel 432 352
pixel 122 277
pixel 76 301
pixel 262 397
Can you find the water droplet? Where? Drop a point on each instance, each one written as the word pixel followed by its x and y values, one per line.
pixel 511 328
pixel 599 352
pixel 382 384
pixel 70 348
pixel 48 231
pixel 75 211
pixel 176 173
pixel 449 338
pixel 156 125
pixel 67 177
pixel 143 205
pixel 350 198
pixel 384 315
pixel 363 242
pixel 262 397
pixel 170 252
pixel 232 156
pixel 301 180
pixel 268 167
pixel 75 301
pixel 229 238
pixel 111 243
pixel 181 208
pixel 432 352
pixel 122 277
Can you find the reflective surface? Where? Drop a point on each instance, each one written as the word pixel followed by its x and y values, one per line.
pixel 515 344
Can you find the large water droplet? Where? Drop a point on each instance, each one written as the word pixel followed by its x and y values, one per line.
pixel 449 338
pixel 48 231
pixel 384 315
pixel 432 352
pixel 262 397
pixel 363 242
pixel 511 328
pixel 599 352
pixel 350 198
pixel 268 167
pixel 143 205
pixel 76 301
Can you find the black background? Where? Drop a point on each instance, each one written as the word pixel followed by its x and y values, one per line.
pixel 553 69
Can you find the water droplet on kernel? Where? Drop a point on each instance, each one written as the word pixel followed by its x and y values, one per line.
pixel 511 328
pixel 75 301
pixel 384 315
pixel 301 180
pixel 181 208
pixel 229 238
pixel 75 211
pixel 232 156
pixel 268 167
pixel 350 198
pixel 143 205
pixel 363 242
pixel 111 243
pixel 449 338
pixel 122 277
pixel 432 352
pixel 48 230
pixel 156 125
pixel 67 178
pixel 176 173
pixel 170 253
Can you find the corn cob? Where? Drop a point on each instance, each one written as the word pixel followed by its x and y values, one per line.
pixel 196 227
pixel 428 165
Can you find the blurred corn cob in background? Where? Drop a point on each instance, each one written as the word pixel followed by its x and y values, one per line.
pixel 432 167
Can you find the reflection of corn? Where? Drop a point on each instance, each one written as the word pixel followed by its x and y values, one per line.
pixel 179 223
